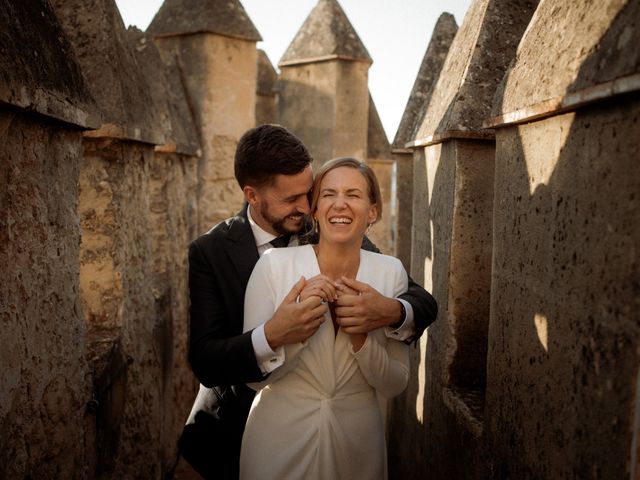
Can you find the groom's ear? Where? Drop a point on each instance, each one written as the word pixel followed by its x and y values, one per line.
pixel 251 194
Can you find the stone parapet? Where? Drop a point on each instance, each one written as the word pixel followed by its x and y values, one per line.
pixel 167 90
pixel 598 53
pixel 564 329
pixel 326 34
pixel 113 76
pixel 45 382
pixel 267 91
pixel 479 55
pixel 428 74
pixel 220 17
pixel 40 72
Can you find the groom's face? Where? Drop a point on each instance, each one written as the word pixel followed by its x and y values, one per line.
pixel 280 206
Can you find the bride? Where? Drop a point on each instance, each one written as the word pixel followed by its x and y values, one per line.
pixel 318 416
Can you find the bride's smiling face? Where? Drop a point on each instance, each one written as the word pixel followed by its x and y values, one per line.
pixel 344 209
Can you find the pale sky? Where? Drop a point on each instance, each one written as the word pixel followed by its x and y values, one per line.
pixel 396 34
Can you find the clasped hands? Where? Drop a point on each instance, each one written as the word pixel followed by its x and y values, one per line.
pixel 359 308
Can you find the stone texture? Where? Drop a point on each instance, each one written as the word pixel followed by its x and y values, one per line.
pixel 451 255
pixel 326 33
pixel 267 75
pixel 44 376
pixel 564 331
pixel 379 159
pixel 168 94
pixel 267 91
pixel 479 55
pixel 98 39
pixel 377 141
pixel 414 112
pixel 326 104
pixel 116 269
pixel 452 245
pixel 222 17
pixel 428 74
pixel 381 233
pixel 404 210
pixel 595 42
pixel 171 226
pixel 39 71
pixel 220 75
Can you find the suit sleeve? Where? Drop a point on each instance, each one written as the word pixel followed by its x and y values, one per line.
pixel 218 355
pixel 386 367
pixel 425 308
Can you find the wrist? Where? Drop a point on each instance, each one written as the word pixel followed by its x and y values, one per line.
pixel 399 317
pixel 271 336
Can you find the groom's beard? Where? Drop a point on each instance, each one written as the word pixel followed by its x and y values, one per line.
pixel 291 223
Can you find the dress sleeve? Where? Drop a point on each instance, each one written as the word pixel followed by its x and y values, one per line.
pixel 260 297
pixel 260 305
pixel 386 367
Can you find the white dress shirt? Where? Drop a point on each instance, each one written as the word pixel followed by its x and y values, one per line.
pixel 268 359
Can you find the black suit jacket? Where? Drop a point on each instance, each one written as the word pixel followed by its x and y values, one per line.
pixel 220 264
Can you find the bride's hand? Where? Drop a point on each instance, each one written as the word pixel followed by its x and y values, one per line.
pixel 344 289
pixel 319 286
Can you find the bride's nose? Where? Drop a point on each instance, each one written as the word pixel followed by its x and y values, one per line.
pixel 339 201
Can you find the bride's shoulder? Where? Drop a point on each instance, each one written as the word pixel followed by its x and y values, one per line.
pixel 381 260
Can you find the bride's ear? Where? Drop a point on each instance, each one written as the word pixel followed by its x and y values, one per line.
pixel 373 214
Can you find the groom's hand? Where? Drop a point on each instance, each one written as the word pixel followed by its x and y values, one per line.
pixel 295 321
pixel 360 308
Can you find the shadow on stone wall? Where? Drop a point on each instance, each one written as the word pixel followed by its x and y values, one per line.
pixel 565 332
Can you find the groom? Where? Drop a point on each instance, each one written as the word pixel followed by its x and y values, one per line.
pixel 273 168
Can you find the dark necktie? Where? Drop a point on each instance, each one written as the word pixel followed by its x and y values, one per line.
pixel 280 242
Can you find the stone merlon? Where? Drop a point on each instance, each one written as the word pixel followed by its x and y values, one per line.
pixel 326 33
pixel 168 93
pixel 598 52
pixel 115 80
pixel 222 17
pixel 377 141
pixel 267 75
pixel 481 51
pixel 38 68
pixel 443 34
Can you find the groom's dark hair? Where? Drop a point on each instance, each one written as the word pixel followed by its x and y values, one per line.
pixel 268 150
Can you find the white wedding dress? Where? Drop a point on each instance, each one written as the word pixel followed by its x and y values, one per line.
pixel 318 416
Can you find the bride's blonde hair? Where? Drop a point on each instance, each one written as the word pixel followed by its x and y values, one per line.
pixel 375 197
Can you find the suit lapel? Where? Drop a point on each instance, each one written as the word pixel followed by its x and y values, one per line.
pixel 241 248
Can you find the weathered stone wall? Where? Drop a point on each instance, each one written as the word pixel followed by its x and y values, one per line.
pixel 118 233
pixel 172 185
pixel 562 397
pixel 529 244
pixel 267 91
pixel 419 99
pixel 381 233
pixel 220 79
pixel 452 244
pixel 44 378
pixel 326 104
pixel 95 381
pixel 565 246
